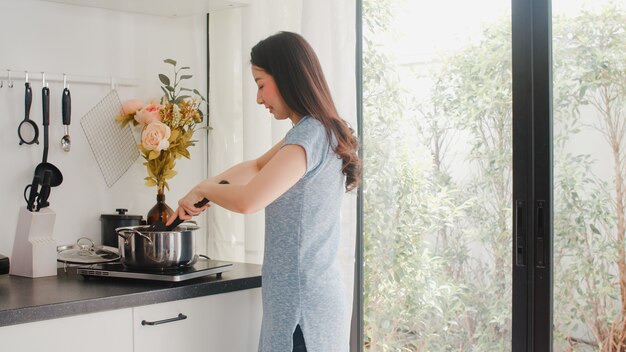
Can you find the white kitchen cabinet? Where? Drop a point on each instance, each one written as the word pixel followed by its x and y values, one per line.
pixel 239 324
pixel 217 323
pixel 96 332
pixel 227 322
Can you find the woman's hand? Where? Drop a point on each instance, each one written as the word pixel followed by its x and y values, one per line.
pixel 187 206
pixel 192 204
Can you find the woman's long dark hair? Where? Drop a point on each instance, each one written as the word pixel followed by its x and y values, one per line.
pixel 293 64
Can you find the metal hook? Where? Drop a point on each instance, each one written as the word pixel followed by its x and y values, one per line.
pixel 43 80
pixel 25 76
pixel 112 83
pixel 10 82
pixel 64 81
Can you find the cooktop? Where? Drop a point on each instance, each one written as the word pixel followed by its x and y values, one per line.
pixel 202 267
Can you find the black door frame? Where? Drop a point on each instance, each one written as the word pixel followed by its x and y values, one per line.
pixel 532 175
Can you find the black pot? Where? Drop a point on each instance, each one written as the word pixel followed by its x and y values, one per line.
pixel 110 222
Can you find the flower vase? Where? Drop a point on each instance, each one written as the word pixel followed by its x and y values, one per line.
pixel 160 211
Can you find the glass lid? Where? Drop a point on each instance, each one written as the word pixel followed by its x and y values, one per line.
pixel 84 251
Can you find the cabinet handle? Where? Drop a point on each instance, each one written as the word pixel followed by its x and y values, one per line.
pixel 180 316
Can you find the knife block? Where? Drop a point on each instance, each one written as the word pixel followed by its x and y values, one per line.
pixel 34 249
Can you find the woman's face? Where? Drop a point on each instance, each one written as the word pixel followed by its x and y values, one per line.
pixel 268 94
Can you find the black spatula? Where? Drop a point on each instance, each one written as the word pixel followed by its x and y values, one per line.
pixel 159 226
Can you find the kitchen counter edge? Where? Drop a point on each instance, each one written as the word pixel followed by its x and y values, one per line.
pixel 26 300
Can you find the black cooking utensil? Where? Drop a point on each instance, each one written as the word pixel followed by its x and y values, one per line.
pixel 56 175
pixel 34 192
pixel 42 198
pixel 27 129
pixel 66 112
pixel 159 226
pixel 178 221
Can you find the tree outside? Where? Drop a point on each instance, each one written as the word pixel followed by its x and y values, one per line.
pixel 437 185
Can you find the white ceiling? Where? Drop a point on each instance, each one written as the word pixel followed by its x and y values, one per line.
pixel 169 8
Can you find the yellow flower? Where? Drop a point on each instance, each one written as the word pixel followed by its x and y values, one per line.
pixel 167 126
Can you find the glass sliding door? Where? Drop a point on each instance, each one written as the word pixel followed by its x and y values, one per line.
pixel 589 50
pixel 437 191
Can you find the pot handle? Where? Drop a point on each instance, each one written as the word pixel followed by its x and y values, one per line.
pixel 123 233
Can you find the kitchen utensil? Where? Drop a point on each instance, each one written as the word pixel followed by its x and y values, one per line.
pixel 34 192
pixel 84 251
pixel 113 147
pixel 66 112
pixel 42 198
pixel 56 175
pixel 156 250
pixel 27 129
pixel 110 222
pixel 160 226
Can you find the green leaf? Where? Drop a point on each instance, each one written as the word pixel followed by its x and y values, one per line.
pixel 164 79
pixel 594 229
pixel 182 152
pixel 185 77
pixel 198 94
pixel 174 135
pixel 153 155
pixel 165 92
pixel 170 61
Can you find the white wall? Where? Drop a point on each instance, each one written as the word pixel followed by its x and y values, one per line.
pixel 42 36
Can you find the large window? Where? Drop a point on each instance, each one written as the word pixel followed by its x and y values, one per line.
pixel 437 175
pixel 589 46
pixel 465 248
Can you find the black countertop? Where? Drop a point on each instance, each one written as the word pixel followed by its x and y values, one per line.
pixel 24 300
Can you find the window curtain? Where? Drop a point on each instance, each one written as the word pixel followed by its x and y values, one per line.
pixel 243 130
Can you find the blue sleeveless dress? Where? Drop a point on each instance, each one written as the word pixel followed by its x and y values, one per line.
pixel 302 282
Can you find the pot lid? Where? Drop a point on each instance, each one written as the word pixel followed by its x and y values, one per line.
pixel 121 215
pixel 84 251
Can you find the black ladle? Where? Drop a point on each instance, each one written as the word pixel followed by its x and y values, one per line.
pixel 159 226
pixel 27 130
pixel 57 176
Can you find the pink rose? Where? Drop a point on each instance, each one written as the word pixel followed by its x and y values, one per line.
pixel 131 106
pixel 155 136
pixel 148 114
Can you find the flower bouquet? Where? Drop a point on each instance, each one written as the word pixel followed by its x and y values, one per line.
pixel 167 126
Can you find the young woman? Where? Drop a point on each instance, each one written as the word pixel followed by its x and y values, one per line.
pixel 299 182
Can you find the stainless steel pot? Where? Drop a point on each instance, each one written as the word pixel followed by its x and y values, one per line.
pixel 144 249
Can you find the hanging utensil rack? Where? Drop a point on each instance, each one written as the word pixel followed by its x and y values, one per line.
pixel 10 76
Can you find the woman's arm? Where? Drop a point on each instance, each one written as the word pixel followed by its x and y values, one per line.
pixel 268 178
pixel 242 173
